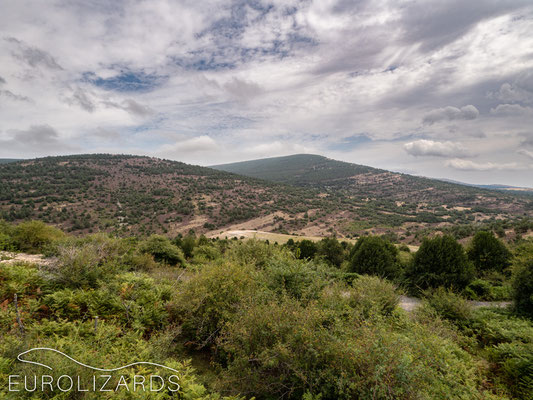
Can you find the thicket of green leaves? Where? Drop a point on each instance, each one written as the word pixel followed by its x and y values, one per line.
pixel 259 319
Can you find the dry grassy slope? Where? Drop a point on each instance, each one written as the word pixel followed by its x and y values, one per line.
pixel 144 195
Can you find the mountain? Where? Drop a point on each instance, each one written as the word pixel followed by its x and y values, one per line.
pixel 358 181
pixel 299 169
pixel 304 194
pixel 495 186
pixel 8 160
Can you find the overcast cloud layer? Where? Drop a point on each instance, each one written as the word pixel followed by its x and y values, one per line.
pixel 435 88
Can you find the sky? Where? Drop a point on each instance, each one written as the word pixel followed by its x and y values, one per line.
pixel 438 88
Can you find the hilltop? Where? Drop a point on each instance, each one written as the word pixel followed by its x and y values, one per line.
pixel 314 171
pixel 304 195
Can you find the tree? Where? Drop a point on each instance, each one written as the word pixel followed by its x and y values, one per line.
pixel 188 243
pixel 523 288
pixel 307 248
pixel 163 250
pixel 488 253
pixel 33 236
pixel 373 255
pixel 331 250
pixel 440 261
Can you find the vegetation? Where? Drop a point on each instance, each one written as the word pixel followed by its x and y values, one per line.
pixel 440 262
pixel 488 253
pixel 131 195
pixel 251 319
pixel 374 255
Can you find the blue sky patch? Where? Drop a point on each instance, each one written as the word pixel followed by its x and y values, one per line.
pixel 350 142
pixel 126 81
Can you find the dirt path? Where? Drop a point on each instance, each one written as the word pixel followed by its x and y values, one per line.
pixel 7 257
pixel 411 303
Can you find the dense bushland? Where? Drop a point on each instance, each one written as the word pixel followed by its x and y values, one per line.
pixel 259 319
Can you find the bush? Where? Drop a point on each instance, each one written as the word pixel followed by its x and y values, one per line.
pixel 187 244
pixel 331 250
pixel 440 261
pixel 34 236
pixel 296 278
pixel 373 255
pixel 206 301
pixel 508 341
pixel 80 266
pixel 449 306
pixel 163 250
pixel 307 249
pixel 481 289
pixel 253 252
pixel 523 288
pixel 488 253
pixel 205 252
pixel 284 350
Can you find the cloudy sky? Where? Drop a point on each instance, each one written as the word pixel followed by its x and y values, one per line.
pixel 437 88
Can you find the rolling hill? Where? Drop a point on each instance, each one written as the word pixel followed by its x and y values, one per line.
pixel 359 181
pixel 305 195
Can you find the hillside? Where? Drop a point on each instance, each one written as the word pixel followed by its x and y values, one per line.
pixel 139 194
pixel 297 169
pixel 314 196
pixel 358 181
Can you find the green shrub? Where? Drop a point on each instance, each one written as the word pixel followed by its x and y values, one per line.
pixel 187 244
pixel 331 250
pixel 440 261
pixel 481 289
pixel 450 306
pixel 110 347
pixel 206 252
pixel 5 242
pixel 253 252
pixel 82 266
pixel 488 253
pixel 163 250
pixel 21 278
pixel 34 236
pixel 307 249
pixel 140 261
pixel 299 279
pixel 508 341
pixel 209 298
pixel 523 288
pixel 284 350
pixel 373 255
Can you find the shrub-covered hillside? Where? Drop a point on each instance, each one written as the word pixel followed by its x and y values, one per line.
pixel 142 195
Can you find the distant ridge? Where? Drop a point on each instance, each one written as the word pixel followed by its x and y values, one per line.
pixel 494 186
pixel 9 160
pixel 297 169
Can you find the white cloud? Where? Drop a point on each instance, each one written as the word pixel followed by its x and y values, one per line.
pixel 431 148
pixel 185 147
pixel 269 78
pixel 526 153
pixel 468 165
pixel 511 109
pixel 450 114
